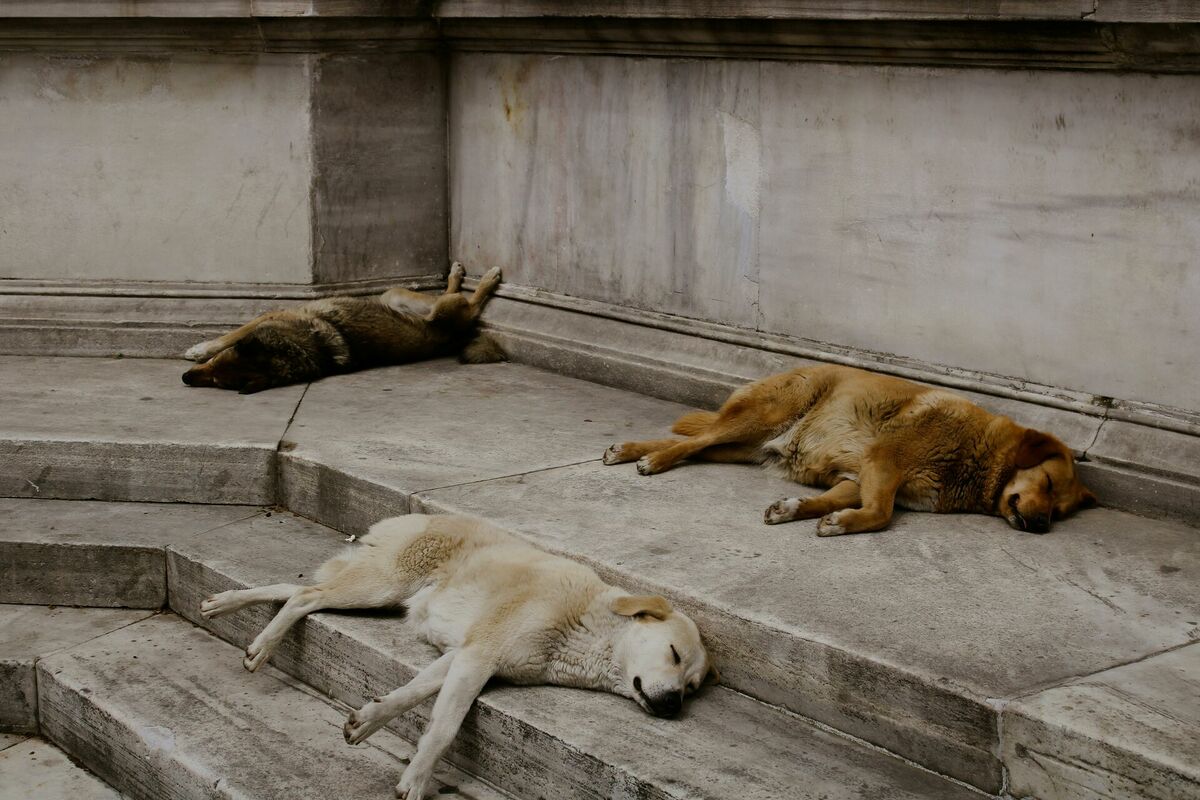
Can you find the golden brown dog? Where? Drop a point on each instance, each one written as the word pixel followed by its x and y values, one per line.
pixel 876 441
pixel 344 334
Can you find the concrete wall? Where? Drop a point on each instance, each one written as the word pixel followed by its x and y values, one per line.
pixel 190 167
pixel 1042 225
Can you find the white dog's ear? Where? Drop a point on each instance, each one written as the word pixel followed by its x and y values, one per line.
pixel 650 605
pixel 713 677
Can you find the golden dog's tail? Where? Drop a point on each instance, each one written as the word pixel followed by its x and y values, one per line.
pixel 694 422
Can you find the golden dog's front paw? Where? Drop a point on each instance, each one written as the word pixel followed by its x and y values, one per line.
pixel 782 511
pixel 613 455
pixel 649 465
pixel 830 525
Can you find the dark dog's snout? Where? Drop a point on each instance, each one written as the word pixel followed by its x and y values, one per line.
pixel 189 378
pixel 1038 524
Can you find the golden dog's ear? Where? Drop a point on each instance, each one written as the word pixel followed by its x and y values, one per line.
pixel 649 605
pixel 1036 447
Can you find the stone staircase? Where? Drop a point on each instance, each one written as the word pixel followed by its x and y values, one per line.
pixel 947 657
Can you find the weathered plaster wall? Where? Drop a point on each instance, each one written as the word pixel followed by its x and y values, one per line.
pixel 1042 225
pixel 193 167
pixel 379 146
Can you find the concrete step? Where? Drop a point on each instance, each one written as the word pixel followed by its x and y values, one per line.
pixel 917 639
pixel 541 741
pixel 91 553
pixel 33 769
pixel 164 711
pixel 29 633
pixel 128 429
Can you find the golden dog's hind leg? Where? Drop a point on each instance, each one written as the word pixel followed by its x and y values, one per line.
pixel 721 453
pixel 843 495
pixel 632 451
pixel 381 710
pixel 878 484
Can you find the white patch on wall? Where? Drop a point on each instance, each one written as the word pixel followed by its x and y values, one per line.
pixel 743 162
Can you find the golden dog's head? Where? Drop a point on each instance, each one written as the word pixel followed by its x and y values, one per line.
pixel 660 655
pixel 1043 485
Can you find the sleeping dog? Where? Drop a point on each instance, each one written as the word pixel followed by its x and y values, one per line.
pixel 344 334
pixel 495 607
pixel 876 441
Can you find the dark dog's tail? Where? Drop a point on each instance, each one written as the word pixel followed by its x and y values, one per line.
pixel 483 349
pixel 694 422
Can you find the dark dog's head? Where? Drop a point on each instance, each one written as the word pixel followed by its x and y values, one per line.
pixel 262 359
pixel 1043 484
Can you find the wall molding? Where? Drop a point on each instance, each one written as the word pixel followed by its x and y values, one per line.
pixel 213 289
pixel 1036 35
pixel 1150 414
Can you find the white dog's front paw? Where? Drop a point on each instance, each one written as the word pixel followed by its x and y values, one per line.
pixel 256 656
pixel 493 275
pixel 218 604
pixel 782 511
pixel 613 455
pixel 457 270
pixel 413 784
pixel 199 352
pixel 830 525
pixel 365 721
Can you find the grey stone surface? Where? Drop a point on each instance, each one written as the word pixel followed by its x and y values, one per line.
pixel 146 158
pixel 540 741
pixel 28 633
pixel 1139 447
pixel 91 553
pixel 437 423
pixel 812 200
pixel 128 429
pixel 164 711
pixel 37 770
pixel 1133 731
pixel 902 637
pixel 7 740
pixel 379 157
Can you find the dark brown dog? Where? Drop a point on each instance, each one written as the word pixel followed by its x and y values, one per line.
pixel 344 334
pixel 876 441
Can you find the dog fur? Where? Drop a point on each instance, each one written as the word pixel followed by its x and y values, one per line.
pixel 345 334
pixel 876 441
pixel 495 607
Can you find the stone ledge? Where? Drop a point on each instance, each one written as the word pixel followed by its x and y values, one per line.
pixel 31 632
pixel 1034 35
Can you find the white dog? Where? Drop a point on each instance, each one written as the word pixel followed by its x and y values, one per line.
pixel 494 606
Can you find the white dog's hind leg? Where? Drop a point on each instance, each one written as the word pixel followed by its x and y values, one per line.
pixel 381 710
pixel 237 599
pixel 468 674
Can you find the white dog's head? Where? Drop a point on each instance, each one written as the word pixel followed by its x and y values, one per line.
pixel 659 653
